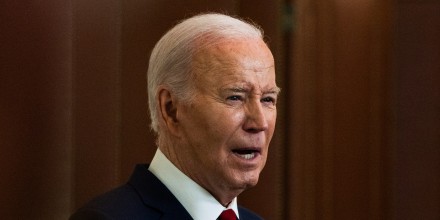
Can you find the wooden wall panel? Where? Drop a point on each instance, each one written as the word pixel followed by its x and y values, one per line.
pixel 35 113
pixel 340 95
pixel 416 157
pixel 97 101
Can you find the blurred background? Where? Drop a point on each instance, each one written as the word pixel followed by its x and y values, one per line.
pixel 358 127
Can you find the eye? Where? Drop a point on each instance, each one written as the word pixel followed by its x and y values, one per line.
pixel 269 100
pixel 235 98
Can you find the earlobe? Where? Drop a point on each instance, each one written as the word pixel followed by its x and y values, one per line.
pixel 168 109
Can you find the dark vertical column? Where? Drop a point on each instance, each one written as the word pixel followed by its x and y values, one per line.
pixel 137 141
pixel 35 109
pixel 416 160
pixel 341 110
pixel 97 98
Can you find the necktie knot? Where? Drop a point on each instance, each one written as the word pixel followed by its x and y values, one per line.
pixel 228 214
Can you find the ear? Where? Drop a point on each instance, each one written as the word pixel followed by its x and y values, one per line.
pixel 168 109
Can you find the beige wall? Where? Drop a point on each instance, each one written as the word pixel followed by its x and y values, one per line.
pixel 358 129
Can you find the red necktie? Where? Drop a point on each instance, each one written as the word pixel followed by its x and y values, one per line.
pixel 228 214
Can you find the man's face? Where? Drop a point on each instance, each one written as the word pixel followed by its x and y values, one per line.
pixel 227 128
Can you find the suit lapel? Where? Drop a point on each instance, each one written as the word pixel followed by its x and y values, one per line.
pixel 155 194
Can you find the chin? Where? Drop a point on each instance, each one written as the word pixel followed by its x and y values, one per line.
pixel 248 181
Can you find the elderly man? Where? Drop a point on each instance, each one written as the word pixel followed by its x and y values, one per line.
pixel 212 99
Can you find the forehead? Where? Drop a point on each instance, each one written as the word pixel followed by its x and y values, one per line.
pixel 243 60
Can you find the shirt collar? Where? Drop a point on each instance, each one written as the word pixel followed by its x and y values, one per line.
pixel 199 203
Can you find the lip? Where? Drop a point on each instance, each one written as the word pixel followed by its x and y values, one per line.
pixel 247 154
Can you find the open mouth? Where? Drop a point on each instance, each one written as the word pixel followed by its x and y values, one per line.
pixel 246 154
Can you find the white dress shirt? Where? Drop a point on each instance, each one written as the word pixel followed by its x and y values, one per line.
pixel 199 203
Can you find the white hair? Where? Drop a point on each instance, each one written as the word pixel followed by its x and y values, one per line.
pixel 170 61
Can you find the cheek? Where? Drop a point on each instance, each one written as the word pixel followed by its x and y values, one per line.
pixel 211 125
pixel 223 119
pixel 271 120
pixel 230 122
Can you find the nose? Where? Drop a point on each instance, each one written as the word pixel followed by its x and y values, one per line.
pixel 256 120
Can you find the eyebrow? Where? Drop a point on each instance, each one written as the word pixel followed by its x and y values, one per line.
pixel 275 90
pixel 238 89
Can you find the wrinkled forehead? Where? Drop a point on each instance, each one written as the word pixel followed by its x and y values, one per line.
pixel 245 54
pixel 235 64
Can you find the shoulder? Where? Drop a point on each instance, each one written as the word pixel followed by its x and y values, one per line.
pixel 120 203
pixel 143 197
pixel 246 214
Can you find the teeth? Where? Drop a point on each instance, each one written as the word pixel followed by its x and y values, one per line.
pixel 247 156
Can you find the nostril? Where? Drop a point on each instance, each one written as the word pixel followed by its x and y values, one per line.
pixel 252 130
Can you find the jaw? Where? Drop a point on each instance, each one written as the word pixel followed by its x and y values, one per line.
pixel 237 181
pixel 226 193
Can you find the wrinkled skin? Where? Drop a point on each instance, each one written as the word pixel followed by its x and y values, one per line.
pixel 222 137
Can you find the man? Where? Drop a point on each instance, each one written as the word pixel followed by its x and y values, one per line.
pixel 212 99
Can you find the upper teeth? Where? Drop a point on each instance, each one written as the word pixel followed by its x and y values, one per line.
pixel 247 156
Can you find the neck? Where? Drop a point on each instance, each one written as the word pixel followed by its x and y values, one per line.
pixel 222 193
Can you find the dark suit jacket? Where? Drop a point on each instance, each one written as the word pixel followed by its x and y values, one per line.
pixel 143 197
